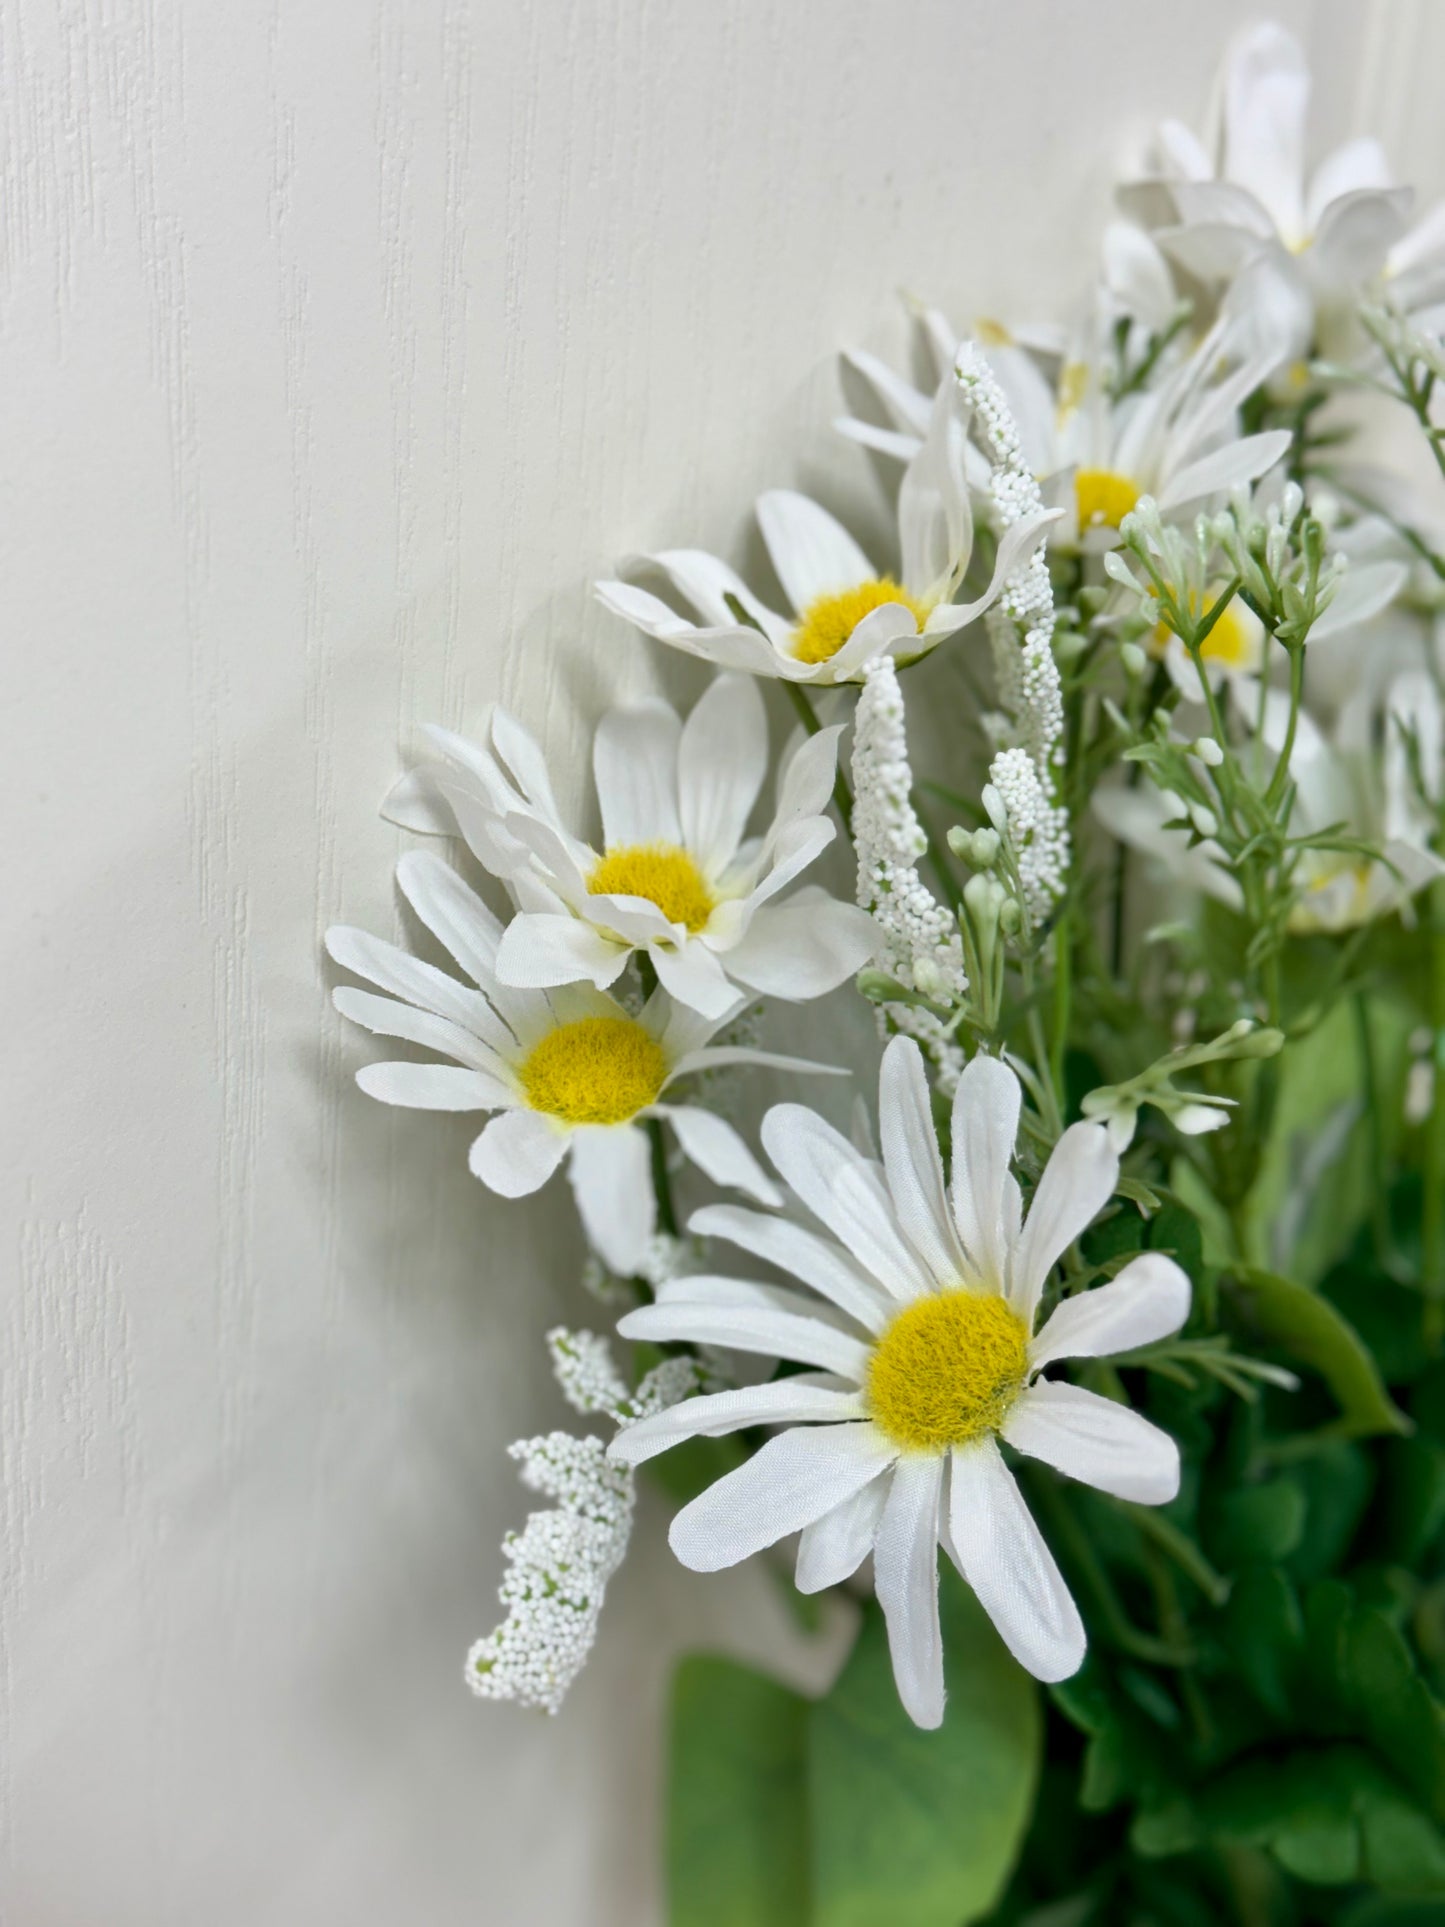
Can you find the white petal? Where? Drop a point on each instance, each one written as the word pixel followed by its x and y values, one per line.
pixel 1267 90
pixel 1077 1183
pixel 805 781
pixel 812 554
pixel 385 1017
pixel 731 648
pixel 798 951
pixel 634 759
pixel 935 527
pixel 905 1575
pixel 691 973
pixel 540 951
pixel 1354 237
pixel 715 1057
pixel 455 914
pixel 1002 1554
pixel 787 1401
pixel 722 760
pixel 787 1484
pixel 832 1548
pixel 1353 165
pixel 985 1130
pixel 434 1087
pixel 1016 546
pixel 517 1153
pixel 912 1162
pixel 611 1172
pixel 715 1147
pixel 817 1261
pixel 708 584
pixel 415 803
pixel 846 1195
pixel 519 752
pixel 750 1294
pixel 1363 593
pixel 1149 1300
pixel 1240 461
pixel 407 977
pixel 750 1328
pixel 1095 1441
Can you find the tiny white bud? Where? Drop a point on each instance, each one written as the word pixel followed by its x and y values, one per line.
pixel 1205 821
pixel 1208 751
pixel 1133 658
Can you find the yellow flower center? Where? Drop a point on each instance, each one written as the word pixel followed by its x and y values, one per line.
pixel 1103 497
pixel 663 874
pixel 825 625
pixel 1234 641
pixel 600 1070
pixel 947 1370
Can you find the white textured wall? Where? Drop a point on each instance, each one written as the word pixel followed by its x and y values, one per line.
pixel 342 341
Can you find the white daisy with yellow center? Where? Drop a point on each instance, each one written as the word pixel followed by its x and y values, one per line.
pixel 845 610
pixel 1178 439
pixel 919 1329
pixel 569 1072
pixel 677 879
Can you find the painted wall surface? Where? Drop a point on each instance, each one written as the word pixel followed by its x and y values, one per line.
pixel 343 342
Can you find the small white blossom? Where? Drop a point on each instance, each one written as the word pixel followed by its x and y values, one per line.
pixel 1020 627
pixel 921 945
pixel 558 1569
pixel 559 1564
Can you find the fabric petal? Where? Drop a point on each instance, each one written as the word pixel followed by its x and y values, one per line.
pixel 812 554
pixel 817 1261
pixel 799 951
pixel 634 760
pixel 691 973
pixel 784 1402
pixel 905 1575
pixel 1002 1554
pixel 833 1547
pixel 935 526
pixel 1149 1300
pixel 1238 462
pixel 985 1130
pixel 540 950
pixel 1095 1441
pixel 846 1195
pixel 1077 1183
pixel 716 1148
pixel 750 1328
pixel 611 1172
pixel 517 1153
pixel 386 1017
pixel 787 1484
pixel 434 1087
pixel 722 760
pixel 912 1162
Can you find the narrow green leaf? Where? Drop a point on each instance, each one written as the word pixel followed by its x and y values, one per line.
pixel 737 1828
pixel 921 1829
pixel 1269 1310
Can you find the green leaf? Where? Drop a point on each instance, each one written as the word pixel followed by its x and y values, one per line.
pixel 1269 1310
pixel 921 1829
pixel 1257 1525
pixel 737 1827
pixel 1264 1633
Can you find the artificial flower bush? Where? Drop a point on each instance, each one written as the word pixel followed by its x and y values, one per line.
pixel 1098 1366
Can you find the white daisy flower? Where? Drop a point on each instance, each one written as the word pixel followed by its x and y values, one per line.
pixel 844 611
pixel 676 879
pixel 1244 191
pixel 924 1358
pixel 569 1072
pixel 1176 440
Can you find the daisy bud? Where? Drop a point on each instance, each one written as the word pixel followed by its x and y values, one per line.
pixel 1133 658
pixel 1208 751
pixel 1205 821
pixel 1010 917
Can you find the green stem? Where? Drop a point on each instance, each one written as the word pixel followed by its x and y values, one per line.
pixel 1280 777
pixel 661 1182
pixel 842 795
pixel 1063 986
pixel 1374 1127
pixel 1433 1227
pixel 1179 1547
